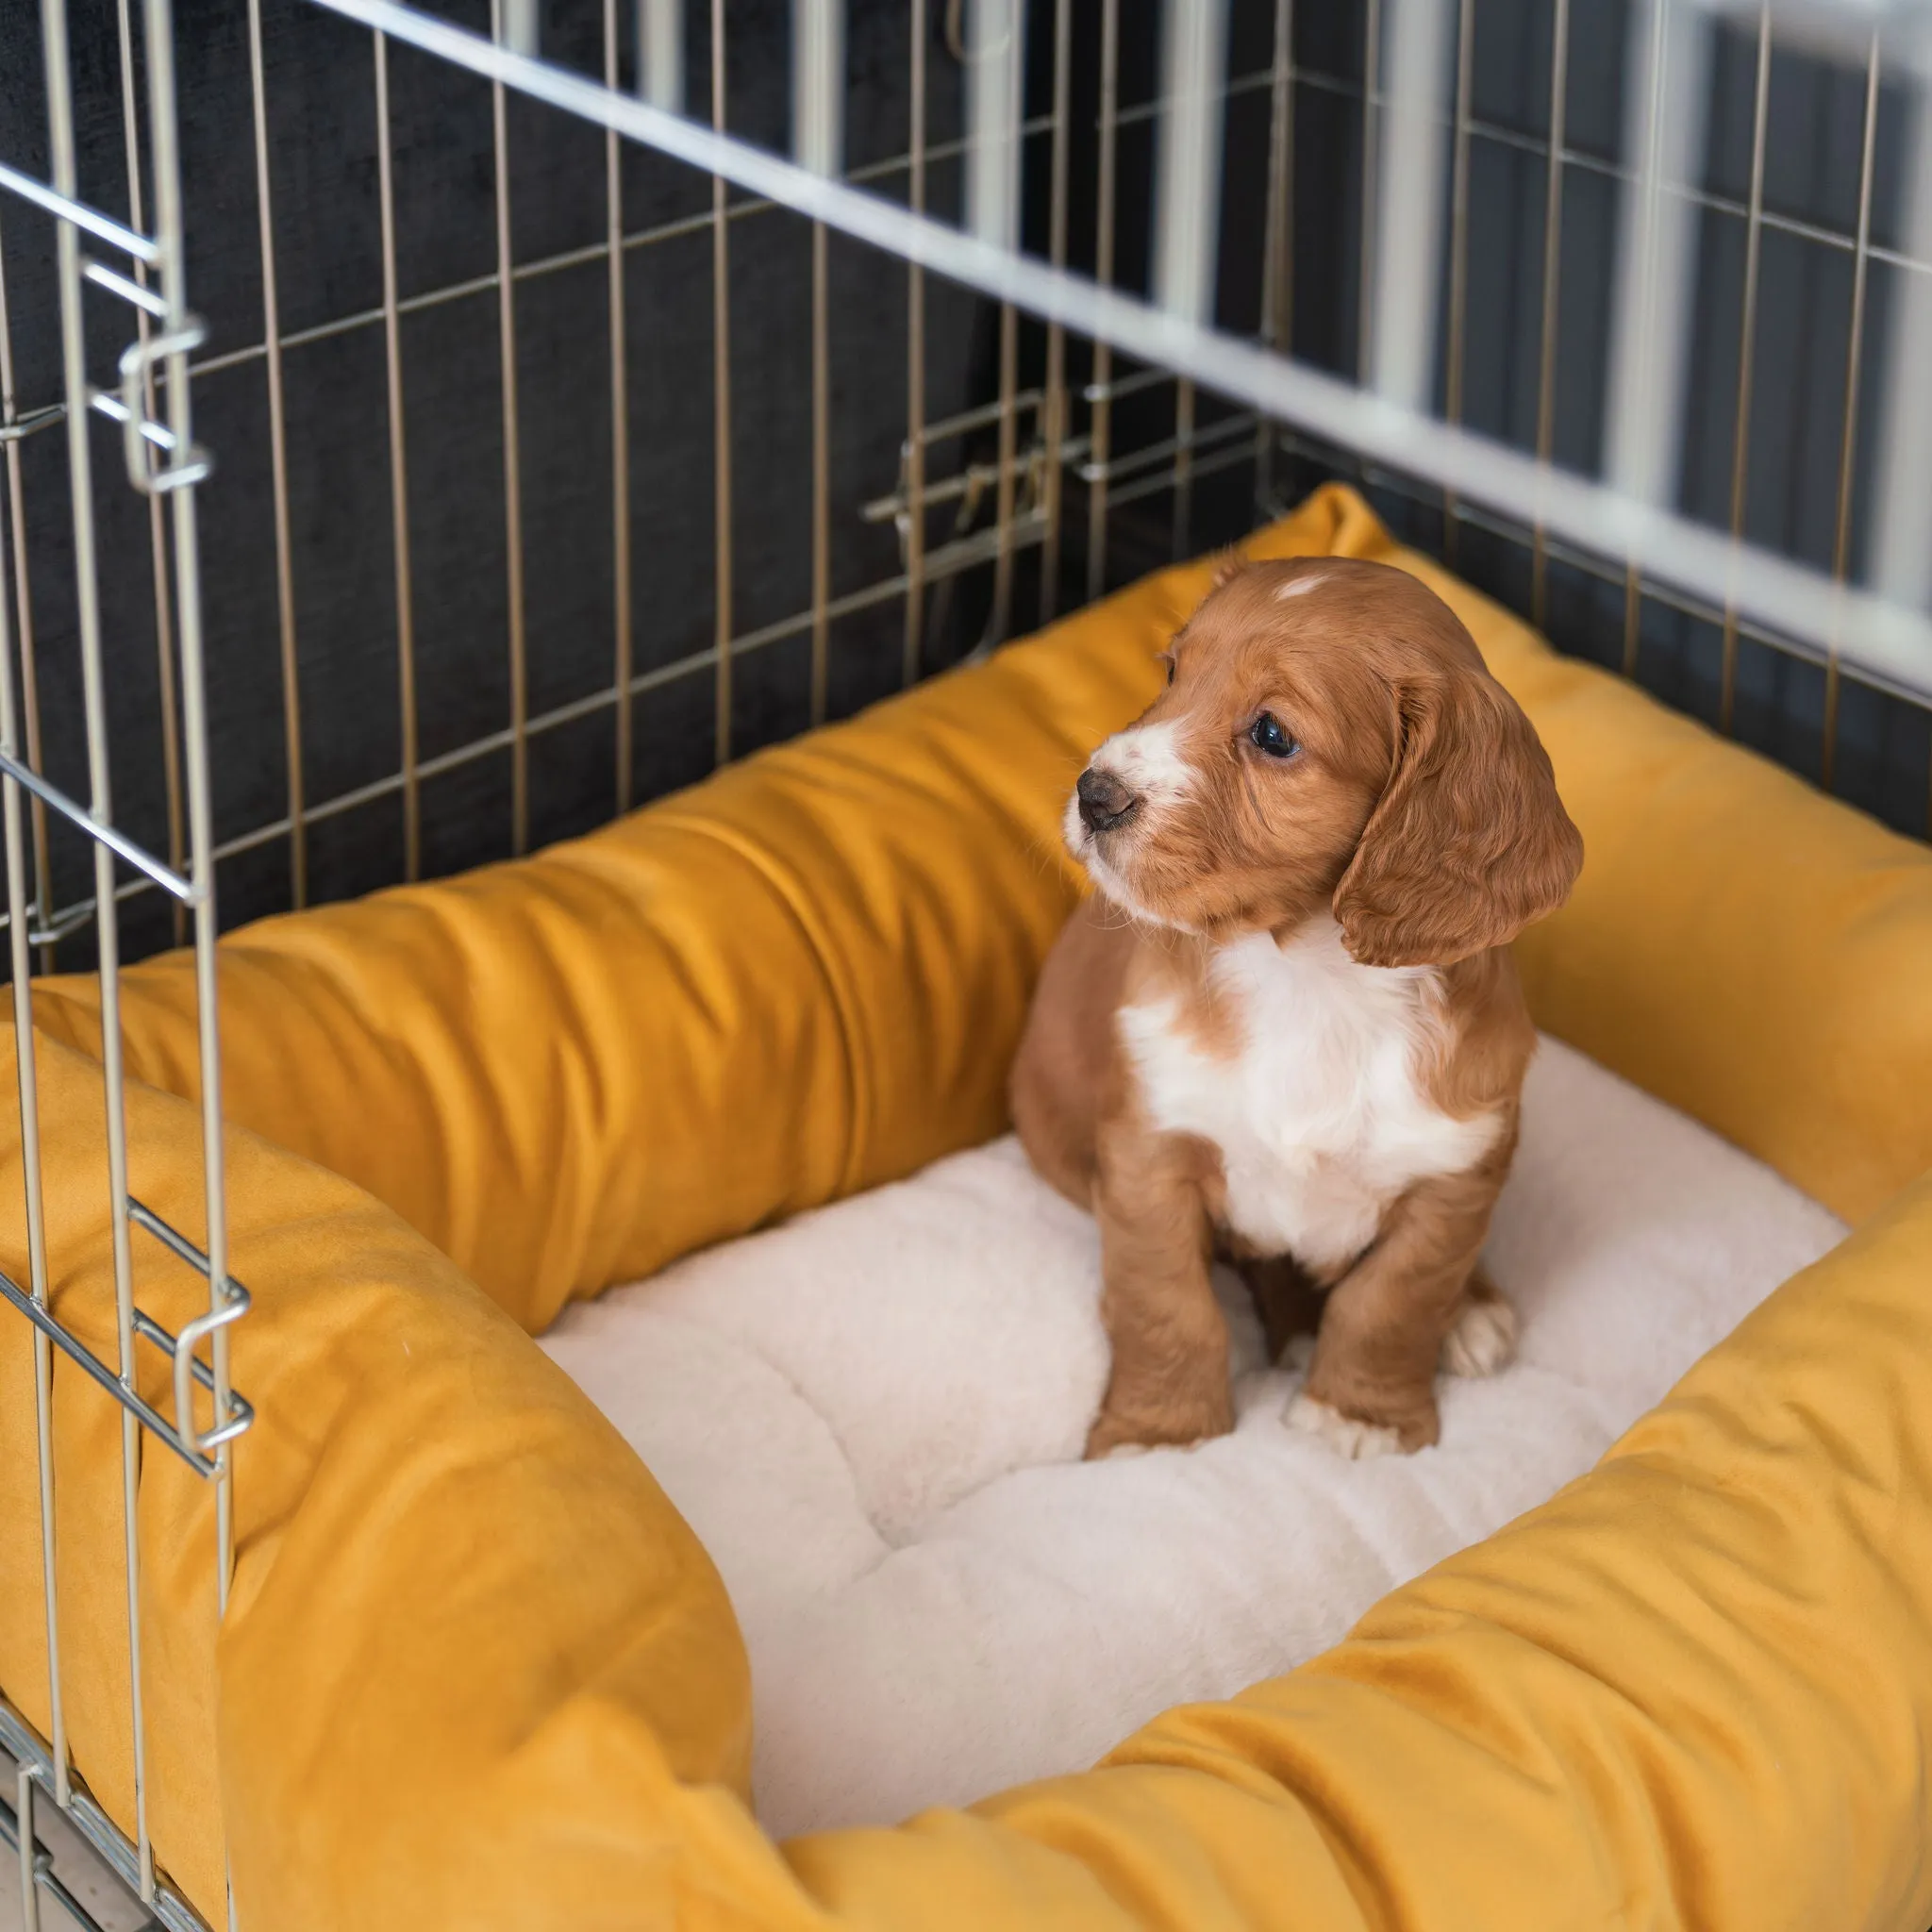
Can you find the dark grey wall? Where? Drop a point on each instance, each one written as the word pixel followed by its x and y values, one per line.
pixel 320 90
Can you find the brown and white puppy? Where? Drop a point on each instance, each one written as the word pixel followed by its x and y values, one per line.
pixel 1286 1027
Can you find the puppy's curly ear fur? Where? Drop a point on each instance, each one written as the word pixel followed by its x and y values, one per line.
pixel 1470 842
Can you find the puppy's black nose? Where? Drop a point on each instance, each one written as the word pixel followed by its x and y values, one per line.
pixel 1105 802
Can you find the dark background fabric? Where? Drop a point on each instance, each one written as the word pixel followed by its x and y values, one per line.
pixel 319 92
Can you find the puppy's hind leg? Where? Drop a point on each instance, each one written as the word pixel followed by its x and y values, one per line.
pixel 1482 1339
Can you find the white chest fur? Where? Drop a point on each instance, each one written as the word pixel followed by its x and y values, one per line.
pixel 1320 1114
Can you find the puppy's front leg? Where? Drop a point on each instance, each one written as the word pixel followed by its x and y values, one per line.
pixel 1169 1382
pixel 1371 1384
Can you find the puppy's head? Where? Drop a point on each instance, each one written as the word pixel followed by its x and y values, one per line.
pixel 1329 740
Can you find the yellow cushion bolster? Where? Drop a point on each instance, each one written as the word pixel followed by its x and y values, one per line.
pixel 475 1669
pixel 807 974
pixel 444 1553
pixel 803 977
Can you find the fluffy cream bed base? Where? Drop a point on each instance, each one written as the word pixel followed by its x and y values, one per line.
pixel 872 1416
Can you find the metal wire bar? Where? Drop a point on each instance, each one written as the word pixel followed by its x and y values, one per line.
pixel 1100 428
pixel 398 477
pixel 994 59
pixel 821 478
pixel 1182 535
pixel 740 210
pixel 37 1873
pixel 1551 293
pixel 180 1435
pixel 65 924
pixel 27 1093
pixel 1456 350
pixel 1208 464
pixel 915 636
pixel 1187 206
pixel 1592 561
pixel 105 836
pixel 817 79
pixel 152 305
pixel 28 1851
pixel 1668 96
pixel 1169 451
pixel 1278 257
pixel 149 307
pixel 948 560
pixel 721 410
pixel 1003 494
pixel 222 1305
pixel 32 422
pixel 1365 268
pixel 11 421
pixel 1848 442
pixel 1635 325
pixel 968 486
pixel 1674 193
pixel 1747 333
pixel 101 277
pixel 1055 426
pixel 948 428
pixel 72 213
pixel 29 1751
pixel 188 1369
pixel 1900 542
pixel 620 426
pixel 62 144
pixel 1407 216
pixel 817 137
pixel 1882 641
pixel 512 466
pixel 975 551
pixel 110 404
pixel 660 54
pixel 1680 191
pixel 278 469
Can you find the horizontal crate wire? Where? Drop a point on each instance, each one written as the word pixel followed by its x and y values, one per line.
pixel 576 394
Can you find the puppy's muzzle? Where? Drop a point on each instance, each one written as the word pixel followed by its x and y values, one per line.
pixel 1106 803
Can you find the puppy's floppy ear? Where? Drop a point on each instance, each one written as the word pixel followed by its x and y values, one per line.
pixel 1470 842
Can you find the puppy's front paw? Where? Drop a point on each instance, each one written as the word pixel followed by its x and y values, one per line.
pixel 1347 1434
pixel 1176 1425
pixel 1483 1338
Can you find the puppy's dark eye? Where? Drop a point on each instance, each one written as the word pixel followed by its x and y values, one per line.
pixel 1268 734
pixel 1167 658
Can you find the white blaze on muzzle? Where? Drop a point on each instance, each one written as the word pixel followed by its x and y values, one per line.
pixel 1148 761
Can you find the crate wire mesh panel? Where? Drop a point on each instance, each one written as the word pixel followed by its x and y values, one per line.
pixel 1622 308
pixel 142 271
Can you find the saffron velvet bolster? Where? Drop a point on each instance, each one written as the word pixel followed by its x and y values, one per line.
pixel 475 1669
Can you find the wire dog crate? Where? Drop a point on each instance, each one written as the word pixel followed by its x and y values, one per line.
pixel 523 409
